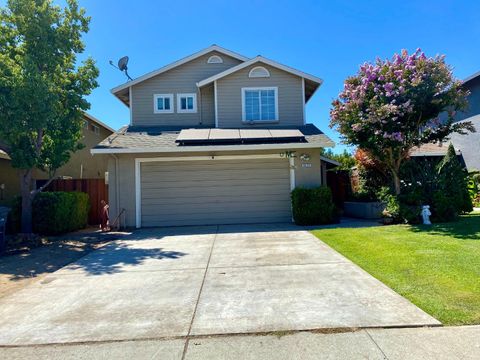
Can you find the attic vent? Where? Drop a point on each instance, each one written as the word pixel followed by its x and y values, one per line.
pixel 215 59
pixel 259 72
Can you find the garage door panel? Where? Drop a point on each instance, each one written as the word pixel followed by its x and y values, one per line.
pixel 201 176
pixel 154 195
pixel 202 165
pixel 208 198
pixel 215 192
pixel 212 183
pixel 219 206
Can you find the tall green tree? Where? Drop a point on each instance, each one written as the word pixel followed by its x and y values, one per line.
pixel 42 88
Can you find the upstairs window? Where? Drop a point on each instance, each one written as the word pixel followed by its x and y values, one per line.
pixel 96 129
pixel 186 103
pixel 215 59
pixel 162 103
pixel 259 72
pixel 260 104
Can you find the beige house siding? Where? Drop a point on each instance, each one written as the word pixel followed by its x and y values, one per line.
pixel 10 180
pixel 181 79
pixel 229 96
pixel 308 176
pixel 94 167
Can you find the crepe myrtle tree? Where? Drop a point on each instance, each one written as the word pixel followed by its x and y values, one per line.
pixel 390 106
pixel 42 88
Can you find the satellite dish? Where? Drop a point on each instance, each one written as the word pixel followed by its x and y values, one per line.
pixel 122 66
pixel 122 63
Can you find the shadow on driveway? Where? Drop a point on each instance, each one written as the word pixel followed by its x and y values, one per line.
pixel 113 258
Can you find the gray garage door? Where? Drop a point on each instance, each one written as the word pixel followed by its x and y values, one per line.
pixel 215 192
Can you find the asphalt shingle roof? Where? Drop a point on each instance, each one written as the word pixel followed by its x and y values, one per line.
pixel 432 149
pixel 163 138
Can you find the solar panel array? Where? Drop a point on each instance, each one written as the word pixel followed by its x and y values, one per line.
pixel 238 136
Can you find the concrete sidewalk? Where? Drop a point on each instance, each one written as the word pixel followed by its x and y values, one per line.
pixel 394 344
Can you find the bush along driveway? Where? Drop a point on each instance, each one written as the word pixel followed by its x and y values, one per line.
pixel 436 267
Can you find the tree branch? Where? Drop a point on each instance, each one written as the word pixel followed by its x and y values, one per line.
pixel 44 186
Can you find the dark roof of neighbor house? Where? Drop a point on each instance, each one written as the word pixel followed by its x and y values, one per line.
pixel 135 139
pixel 471 77
pixel 432 149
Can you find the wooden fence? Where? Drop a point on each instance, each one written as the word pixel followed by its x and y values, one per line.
pixel 96 189
pixel 339 183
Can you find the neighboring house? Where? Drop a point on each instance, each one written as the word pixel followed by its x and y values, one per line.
pixel 82 165
pixel 467 146
pixel 214 138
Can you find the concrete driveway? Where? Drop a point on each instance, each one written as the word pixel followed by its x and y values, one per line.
pixel 177 282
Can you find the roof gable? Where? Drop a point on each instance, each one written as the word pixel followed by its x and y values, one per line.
pixel 178 63
pixel 263 60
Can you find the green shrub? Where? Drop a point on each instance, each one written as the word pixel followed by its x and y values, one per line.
pixel 313 206
pixel 54 212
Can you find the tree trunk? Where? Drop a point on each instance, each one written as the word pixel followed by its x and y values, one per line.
pixel 396 182
pixel 25 190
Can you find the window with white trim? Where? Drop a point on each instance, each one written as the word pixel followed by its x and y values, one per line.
pixel 186 103
pixel 162 103
pixel 260 104
pixel 259 72
pixel 215 59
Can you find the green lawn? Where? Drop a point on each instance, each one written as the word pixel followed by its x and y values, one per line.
pixel 437 267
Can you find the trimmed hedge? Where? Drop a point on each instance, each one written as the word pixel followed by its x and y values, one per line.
pixel 313 206
pixel 55 212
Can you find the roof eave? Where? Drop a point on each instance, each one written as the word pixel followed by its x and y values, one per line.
pixel 94 119
pixel 285 146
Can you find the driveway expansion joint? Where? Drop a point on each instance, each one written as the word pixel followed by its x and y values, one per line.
pixel 185 348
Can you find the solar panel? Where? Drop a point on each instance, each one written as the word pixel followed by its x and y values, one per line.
pixel 238 136
pixel 224 134
pixel 255 134
pixel 285 133
pixel 193 134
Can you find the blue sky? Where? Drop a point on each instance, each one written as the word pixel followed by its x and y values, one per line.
pixel 328 39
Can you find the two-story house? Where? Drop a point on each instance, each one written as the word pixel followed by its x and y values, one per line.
pixel 214 138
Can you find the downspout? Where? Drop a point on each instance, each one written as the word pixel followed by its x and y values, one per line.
pixel 117 186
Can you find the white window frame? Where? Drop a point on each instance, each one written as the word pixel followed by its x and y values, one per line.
pixel 215 59
pixel 179 103
pixel 96 129
pixel 244 113
pixel 266 73
pixel 155 99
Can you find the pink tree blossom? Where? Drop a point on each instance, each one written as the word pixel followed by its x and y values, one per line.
pixel 392 105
